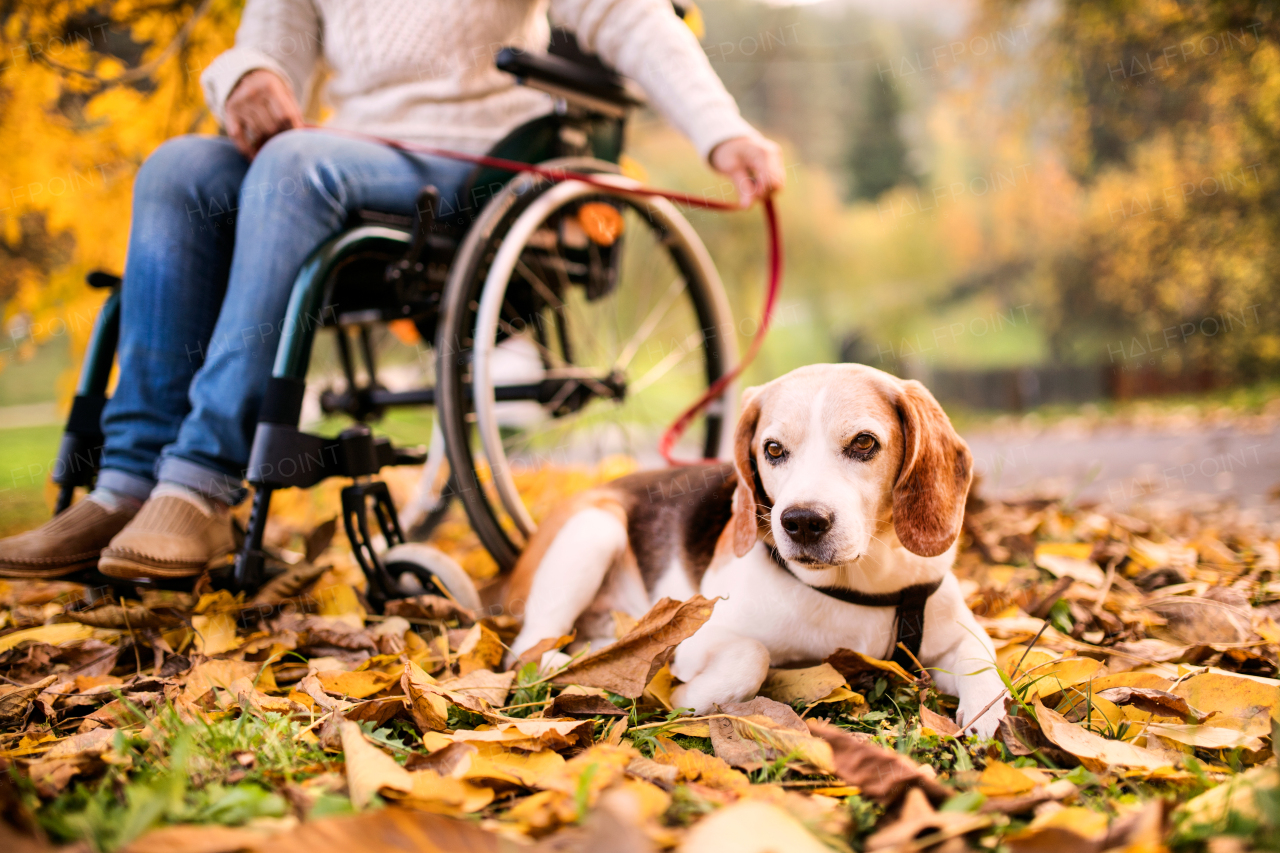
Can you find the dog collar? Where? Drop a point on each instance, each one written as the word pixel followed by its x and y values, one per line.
pixel 910 602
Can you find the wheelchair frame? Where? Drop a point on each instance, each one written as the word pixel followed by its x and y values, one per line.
pixel 415 256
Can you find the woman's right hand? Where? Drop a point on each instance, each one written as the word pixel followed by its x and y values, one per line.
pixel 260 106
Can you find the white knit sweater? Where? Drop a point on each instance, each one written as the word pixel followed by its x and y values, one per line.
pixel 423 70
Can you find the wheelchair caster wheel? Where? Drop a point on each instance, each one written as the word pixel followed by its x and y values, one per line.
pixel 419 569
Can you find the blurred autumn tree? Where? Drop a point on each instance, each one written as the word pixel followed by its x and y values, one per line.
pixel 87 90
pixel 1167 116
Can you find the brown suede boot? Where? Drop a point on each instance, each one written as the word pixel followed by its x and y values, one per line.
pixel 66 543
pixel 177 534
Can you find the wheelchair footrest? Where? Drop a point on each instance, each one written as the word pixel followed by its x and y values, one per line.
pixel 283 456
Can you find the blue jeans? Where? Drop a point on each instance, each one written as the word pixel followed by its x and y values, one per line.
pixel 215 244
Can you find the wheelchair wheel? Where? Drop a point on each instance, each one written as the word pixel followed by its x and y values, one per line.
pixel 577 323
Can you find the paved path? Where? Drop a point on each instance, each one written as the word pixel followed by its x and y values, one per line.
pixel 1124 465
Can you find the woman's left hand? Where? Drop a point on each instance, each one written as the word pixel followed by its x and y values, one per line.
pixel 753 163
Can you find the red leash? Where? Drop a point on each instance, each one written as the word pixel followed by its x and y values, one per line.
pixel 672 434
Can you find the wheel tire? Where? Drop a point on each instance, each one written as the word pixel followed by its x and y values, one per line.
pixel 456 336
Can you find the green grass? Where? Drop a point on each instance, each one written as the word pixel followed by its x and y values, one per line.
pixel 26 457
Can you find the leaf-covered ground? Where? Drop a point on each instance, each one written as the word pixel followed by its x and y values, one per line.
pixel 1140 655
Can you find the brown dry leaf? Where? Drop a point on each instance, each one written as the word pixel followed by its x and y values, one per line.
pixel 490 762
pixel 941 724
pixel 750 826
pixel 763 730
pixel 1094 751
pixel 290 583
pixel 589 772
pixel 126 617
pixel 483 684
pixel 855 666
pixel 881 774
pixel 625 667
pixel 807 685
pixel 1243 704
pixel 1220 615
pixel 389 830
pixel 918 824
pixel 197 838
pixel 548 644
pixel 1158 702
pixel 1075 828
pixel 430 607
pixel 1070 565
pixel 583 705
pixel 16 702
pixel 369 769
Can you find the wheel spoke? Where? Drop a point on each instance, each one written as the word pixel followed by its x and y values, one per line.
pixel 656 315
pixel 664 367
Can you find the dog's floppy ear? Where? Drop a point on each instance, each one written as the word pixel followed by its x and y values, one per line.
pixel 746 501
pixel 929 496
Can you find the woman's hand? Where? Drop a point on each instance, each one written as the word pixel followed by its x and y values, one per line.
pixel 753 163
pixel 260 106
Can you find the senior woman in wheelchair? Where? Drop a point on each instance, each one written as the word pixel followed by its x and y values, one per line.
pixel 222 224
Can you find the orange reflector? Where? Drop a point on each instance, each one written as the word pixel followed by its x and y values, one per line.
pixel 602 222
pixel 405 331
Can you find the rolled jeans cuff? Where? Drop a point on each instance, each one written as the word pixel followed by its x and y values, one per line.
pixel 125 483
pixel 227 488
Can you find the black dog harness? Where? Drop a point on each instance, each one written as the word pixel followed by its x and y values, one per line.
pixel 908 620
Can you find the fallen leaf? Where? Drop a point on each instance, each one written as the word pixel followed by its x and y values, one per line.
pixel 625 667
pixel 942 725
pixel 355 685
pixel 197 838
pixel 881 774
pixel 802 685
pixel 369 769
pixel 577 705
pixel 429 707
pixel 389 830
pixel 1205 737
pixel 1000 780
pixel 750 826
pixel 122 617
pixel 1068 566
pixel 482 684
pixel 695 766
pixel 532 734
pixel 1158 702
pixel 55 635
pixel 855 667
pixel 16 701
pixel 1095 751
pixel 548 644
pixel 481 649
pixel 918 823
pixel 209 674
pixel 1242 704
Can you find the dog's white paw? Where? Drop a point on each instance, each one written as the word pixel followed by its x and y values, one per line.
pixel 974 721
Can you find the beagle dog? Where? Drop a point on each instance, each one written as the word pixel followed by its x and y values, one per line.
pixel 835 526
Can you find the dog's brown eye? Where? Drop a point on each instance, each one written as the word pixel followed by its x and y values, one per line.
pixel 863 443
pixel 773 450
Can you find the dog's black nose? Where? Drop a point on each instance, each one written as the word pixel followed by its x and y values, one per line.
pixel 805 525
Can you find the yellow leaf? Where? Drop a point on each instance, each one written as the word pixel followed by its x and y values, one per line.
pixel 480 649
pixel 442 794
pixel 369 769
pixel 494 762
pixel 429 708
pixel 1059 675
pixel 1243 704
pixel 1001 780
pixel 660 687
pixel 1093 749
pixel 750 826
pixel 695 766
pixel 215 633
pixel 55 635
pixel 532 734
pixel 801 685
pixel 356 685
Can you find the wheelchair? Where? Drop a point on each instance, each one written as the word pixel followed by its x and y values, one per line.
pixel 567 323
